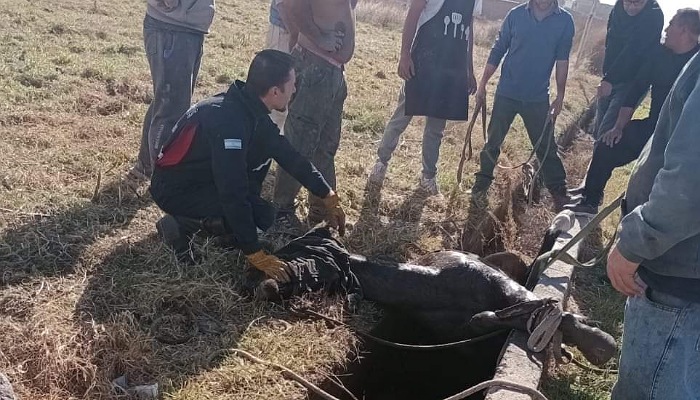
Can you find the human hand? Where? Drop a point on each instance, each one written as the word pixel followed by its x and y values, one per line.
pixel 406 68
pixel 480 95
pixel 270 265
pixel 612 137
pixel 330 41
pixel 622 274
pixel 604 89
pixel 555 108
pixel 336 215
pixel 472 84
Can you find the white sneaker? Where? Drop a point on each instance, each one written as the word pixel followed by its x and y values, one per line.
pixel 378 173
pixel 429 185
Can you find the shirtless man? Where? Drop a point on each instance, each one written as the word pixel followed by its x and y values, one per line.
pixel 326 42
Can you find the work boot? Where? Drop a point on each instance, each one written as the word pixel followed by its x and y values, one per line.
pixel 137 182
pixel 479 194
pixel 560 198
pixel 378 173
pixel 173 235
pixel 429 186
pixel 584 206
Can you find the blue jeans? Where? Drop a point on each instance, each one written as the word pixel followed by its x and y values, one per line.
pixel 660 349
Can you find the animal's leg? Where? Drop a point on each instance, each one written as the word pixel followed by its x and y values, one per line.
pixel 597 346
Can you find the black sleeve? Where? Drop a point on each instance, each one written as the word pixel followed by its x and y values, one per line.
pixel 642 81
pixel 229 143
pixel 647 38
pixel 299 167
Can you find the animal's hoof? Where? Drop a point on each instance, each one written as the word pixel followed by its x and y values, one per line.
pixel 597 346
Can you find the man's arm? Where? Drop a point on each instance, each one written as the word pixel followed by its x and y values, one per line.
pixel 301 18
pixel 299 167
pixel 498 51
pixel 229 167
pixel 283 7
pixel 643 79
pixel 561 75
pixel 613 136
pixel 410 26
pixel 639 87
pixel 670 215
pixel 562 53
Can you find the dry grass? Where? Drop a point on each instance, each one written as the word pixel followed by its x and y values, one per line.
pixel 382 13
pixel 86 287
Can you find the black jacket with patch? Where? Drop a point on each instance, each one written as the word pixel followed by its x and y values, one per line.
pixel 227 142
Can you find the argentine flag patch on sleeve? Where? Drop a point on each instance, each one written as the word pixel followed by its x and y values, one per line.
pixel 233 144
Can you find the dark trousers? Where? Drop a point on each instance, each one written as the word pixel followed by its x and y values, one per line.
pixel 204 204
pixel 534 117
pixel 174 59
pixel 606 159
pixel 313 125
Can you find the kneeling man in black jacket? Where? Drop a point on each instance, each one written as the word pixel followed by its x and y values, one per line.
pixel 208 177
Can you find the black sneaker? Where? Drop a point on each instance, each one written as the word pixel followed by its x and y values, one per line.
pixel 583 207
pixel 577 191
pixel 560 198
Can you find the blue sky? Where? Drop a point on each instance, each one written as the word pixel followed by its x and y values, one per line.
pixel 669 6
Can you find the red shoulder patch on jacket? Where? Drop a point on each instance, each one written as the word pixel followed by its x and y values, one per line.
pixel 174 152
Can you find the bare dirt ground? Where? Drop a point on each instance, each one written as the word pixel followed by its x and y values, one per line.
pixel 88 293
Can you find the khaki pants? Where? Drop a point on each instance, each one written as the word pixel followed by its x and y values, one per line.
pixel 278 39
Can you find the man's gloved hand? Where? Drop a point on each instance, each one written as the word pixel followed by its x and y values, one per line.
pixel 336 215
pixel 270 265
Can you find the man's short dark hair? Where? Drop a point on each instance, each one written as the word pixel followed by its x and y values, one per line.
pixel 268 69
pixel 689 18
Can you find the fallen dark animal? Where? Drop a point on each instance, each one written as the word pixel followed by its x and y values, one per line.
pixel 457 295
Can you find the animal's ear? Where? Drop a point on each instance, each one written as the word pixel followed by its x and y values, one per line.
pixel 510 264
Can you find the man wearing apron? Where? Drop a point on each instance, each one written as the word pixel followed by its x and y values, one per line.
pixel 436 63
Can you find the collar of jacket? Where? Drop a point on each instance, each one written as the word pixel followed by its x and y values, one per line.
pixel 252 103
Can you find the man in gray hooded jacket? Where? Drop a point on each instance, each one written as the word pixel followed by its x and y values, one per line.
pixel 656 260
pixel 173 34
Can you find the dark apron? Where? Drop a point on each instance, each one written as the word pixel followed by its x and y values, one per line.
pixel 440 56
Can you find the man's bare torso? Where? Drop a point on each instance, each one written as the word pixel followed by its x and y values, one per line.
pixel 333 15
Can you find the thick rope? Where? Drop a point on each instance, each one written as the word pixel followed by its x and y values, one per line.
pixel 547 259
pixel 403 346
pixel 501 384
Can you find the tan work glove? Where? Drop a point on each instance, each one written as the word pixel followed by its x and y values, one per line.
pixel 270 265
pixel 336 215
